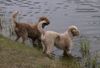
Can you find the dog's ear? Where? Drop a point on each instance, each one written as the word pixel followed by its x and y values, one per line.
pixel 74 30
pixel 43 18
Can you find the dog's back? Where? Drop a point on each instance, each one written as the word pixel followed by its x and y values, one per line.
pixel 63 41
pixel 33 32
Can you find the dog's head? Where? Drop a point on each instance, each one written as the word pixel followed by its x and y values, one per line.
pixel 74 30
pixel 43 18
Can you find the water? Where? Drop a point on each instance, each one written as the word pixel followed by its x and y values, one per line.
pixel 62 13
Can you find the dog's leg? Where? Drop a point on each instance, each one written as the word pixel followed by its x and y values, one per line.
pixel 49 47
pixel 48 52
pixel 69 49
pixel 44 47
pixel 67 52
pixel 24 38
pixel 18 34
pixel 39 43
pixel 33 41
pixel 17 38
pixel 64 53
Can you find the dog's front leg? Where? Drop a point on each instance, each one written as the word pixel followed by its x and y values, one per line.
pixel 67 52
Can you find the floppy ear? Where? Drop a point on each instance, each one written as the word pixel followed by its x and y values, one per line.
pixel 43 18
pixel 74 32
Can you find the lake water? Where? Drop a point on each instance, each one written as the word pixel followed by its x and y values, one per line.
pixel 62 13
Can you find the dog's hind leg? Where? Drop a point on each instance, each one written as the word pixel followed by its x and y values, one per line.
pixel 17 38
pixel 33 42
pixel 49 46
pixel 24 37
pixel 44 47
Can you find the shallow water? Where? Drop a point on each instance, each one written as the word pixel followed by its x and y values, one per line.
pixel 62 13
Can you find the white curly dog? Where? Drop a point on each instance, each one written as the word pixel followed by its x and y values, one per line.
pixel 49 39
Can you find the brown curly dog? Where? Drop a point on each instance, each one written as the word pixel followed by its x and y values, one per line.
pixel 25 30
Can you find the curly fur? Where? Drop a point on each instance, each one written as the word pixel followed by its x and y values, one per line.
pixel 63 41
pixel 26 30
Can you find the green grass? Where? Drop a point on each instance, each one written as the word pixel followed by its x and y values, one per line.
pixel 85 48
pixel 17 55
pixel 88 60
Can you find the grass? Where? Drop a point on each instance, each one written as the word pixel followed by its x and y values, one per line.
pixel 85 48
pixel 17 55
pixel 88 61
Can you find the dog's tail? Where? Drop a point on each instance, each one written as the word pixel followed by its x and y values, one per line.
pixel 14 14
pixel 40 27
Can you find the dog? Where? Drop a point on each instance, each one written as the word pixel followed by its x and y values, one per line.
pixel 25 30
pixel 35 35
pixel 63 41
